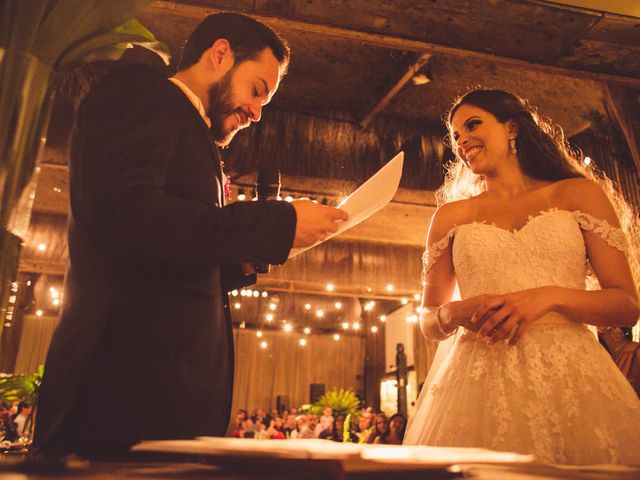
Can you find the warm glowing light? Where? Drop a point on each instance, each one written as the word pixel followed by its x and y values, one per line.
pixel 57 190
pixel 288 198
pixel 383 318
pixel 412 318
pixel 374 329
pixel 269 317
pixel 234 293
pixel 243 325
pixel 389 287
pixel 330 287
pixel 416 296
pixel 336 336
pixel 307 306
pixel 39 313
pixel 249 292
pixel 256 293
pixel 242 197
pixel 338 305
pixel 56 301
pixel 345 325
pixel 243 292
pixel 404 300
pixel 319 313
pixel 272 306
pixel 287 327
pixel 237 305
pixel 356 326
pixel 307 330
pixel 42 247
pixel 587 161
pixel 259 333
pixel 303 342
pixel 265 294
pixel 369 289
pixel 263 344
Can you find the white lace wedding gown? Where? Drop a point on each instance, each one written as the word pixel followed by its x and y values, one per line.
pixel 556 394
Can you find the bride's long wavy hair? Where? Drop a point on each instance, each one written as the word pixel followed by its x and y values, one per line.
pixel 543 153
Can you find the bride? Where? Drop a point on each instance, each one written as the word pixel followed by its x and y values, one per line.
pixel 517 369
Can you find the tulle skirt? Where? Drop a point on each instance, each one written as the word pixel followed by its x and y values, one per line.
pixel 556 394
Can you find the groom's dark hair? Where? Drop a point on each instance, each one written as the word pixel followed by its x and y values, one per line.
pixel 247 38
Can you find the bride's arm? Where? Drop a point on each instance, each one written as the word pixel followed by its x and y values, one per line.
pixel 616 304
pixel 439 317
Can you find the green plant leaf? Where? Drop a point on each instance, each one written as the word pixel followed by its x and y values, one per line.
pixel 69 22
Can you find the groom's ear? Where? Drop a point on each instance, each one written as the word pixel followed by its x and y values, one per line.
pixel 219 55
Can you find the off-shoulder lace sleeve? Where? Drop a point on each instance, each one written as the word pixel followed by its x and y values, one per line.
pixel 433 252
pixel 614 236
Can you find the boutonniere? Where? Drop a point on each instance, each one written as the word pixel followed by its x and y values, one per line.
pixel 226 182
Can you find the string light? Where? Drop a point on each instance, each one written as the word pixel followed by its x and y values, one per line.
pixel 243 325
pixel 259 333
pixel 404 300
pixel 383 318
pixel 416 296
pixel 330 287
pixel 345 325
pixel 587 161
pixel 412 319
pixel 256 293
pixel 374 329
pixel 39 313
pixel 234 293
pixel 319 313
pixel 265 294
pixel 272 306
pixel 356 326
pixel 263 344
pixel 336 336
pixel 389 287
pixel 307 306
pixel 56 301
pixel 243 292
pixel 269 317
pixel 42 247
pixel 303 342
pixel 338 305
pixel 288 198
pixel 287 327
pixel 307 330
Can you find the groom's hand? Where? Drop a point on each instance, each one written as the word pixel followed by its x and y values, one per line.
pixel 314 222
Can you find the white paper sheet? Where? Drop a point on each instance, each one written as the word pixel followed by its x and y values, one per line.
pixel 369 198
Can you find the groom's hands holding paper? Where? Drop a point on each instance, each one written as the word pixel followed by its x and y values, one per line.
pixel 314 222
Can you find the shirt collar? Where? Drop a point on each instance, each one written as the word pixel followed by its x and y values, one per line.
pixel 193 98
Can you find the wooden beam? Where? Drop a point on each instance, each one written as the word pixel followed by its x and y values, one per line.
pixel 386 41
pixel 409 74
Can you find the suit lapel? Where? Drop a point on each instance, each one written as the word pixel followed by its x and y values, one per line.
pixel 215 152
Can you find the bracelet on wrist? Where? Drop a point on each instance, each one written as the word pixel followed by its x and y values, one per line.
pixel 439 324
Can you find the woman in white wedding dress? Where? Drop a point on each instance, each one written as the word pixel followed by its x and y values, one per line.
pixel 517 369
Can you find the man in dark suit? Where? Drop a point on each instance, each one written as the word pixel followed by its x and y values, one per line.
pixel 144 347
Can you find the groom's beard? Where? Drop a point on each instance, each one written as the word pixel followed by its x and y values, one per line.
pixel 221 109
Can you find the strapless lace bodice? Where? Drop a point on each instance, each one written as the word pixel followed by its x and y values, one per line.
pixel 548 250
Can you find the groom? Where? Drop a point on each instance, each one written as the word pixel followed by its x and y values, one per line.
pixel 144 347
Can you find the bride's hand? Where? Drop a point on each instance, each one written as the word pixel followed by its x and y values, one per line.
pixel 511 315
pixel 462 311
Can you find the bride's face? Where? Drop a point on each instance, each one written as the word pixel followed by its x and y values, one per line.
pixel 479 139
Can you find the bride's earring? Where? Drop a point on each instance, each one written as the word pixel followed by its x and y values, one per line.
pixel 512 145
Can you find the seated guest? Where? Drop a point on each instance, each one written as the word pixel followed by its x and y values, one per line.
pixel 336 433
pixel 274 432
pixel 364 425
pixel 381 427
pixel 326 421
pixel 624 352
pixel 397 425
pixel 302 428
pixel 289 425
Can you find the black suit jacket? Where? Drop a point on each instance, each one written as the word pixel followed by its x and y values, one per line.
pixel 144 346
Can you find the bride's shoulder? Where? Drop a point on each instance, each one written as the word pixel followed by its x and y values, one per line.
pixel 584 195
pixel 448 216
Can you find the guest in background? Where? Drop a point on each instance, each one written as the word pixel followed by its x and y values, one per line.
pixel 326 421
pixel 395 433
pixel 624 352
pixel 364 425
pixel 381 427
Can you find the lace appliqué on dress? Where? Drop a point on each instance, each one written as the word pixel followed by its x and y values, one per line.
pixel 432 253
pixel 614 236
